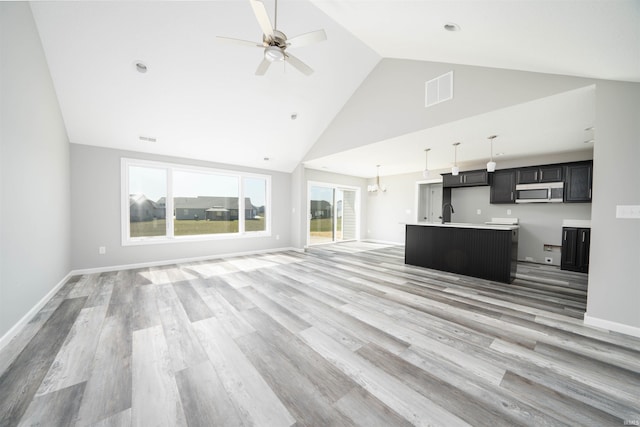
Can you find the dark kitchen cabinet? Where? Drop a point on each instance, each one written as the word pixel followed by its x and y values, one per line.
pixel 577 187
pixel 503 187
pixel 466 179
pixel 575 249
pixel 533 175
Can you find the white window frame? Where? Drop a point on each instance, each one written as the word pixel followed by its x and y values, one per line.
pixel 169 237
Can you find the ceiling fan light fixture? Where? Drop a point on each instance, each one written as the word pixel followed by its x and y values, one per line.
pixel 273 54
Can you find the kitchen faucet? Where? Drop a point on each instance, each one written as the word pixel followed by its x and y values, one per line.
pixel 444 206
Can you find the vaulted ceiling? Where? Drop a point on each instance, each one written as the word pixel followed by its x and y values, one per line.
pixel 201 99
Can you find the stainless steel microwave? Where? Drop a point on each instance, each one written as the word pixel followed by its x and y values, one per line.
pixel 548 192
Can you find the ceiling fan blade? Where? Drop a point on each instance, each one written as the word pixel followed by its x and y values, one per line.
pixel 299 65
pixel 263 67
pixel 238 41
pixel 263 18
pixel 307 38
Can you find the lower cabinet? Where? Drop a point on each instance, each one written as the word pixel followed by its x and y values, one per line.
pixel 575 249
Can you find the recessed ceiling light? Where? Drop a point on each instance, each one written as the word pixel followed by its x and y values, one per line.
pixel 147 138
pixel 450 26
pixel 141 67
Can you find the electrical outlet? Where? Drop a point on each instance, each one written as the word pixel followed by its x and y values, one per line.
pixel 102 250
pixel 528 258
pixel 478 212
pixel 277 237
pixel 548 260
pixel 508 211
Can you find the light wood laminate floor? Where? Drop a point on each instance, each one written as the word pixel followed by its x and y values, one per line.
pixel 340 335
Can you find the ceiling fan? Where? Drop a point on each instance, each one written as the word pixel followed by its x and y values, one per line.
pixel 275 43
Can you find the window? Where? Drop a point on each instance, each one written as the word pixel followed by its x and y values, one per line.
pixel 165 202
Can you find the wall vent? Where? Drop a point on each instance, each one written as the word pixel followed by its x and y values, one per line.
pixel 439 89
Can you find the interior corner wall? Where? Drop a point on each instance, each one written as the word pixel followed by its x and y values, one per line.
pixel 34 171
pixel 96 212
pixel 614 280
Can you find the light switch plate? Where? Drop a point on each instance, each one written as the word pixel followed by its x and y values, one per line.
pixel 628 211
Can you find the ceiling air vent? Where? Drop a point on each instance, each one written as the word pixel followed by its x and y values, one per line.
pixel 439 89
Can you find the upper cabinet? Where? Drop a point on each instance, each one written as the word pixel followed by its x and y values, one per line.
pixel 466 179
pixel 577 186
pixel 503 186
pixel 533 175
pixel 577 178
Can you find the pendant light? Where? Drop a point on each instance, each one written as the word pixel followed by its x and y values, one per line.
pixel 455 170
pixel 491 165
pixel 375 187
pixel 425 172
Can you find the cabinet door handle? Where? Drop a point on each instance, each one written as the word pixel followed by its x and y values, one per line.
pixel 583 233
pixel 541 174
pixel 535 175
pixel 589 193
pixel 565 235
pixel 512 195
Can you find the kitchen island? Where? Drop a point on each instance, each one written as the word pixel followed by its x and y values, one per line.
pixel 486 251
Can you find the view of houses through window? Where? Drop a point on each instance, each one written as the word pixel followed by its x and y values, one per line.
pixel 332 214
pixel 172 201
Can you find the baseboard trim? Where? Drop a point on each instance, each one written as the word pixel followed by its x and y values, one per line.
pixel 383 242
pixel 15 329
pixel 177 261
pixel 612 326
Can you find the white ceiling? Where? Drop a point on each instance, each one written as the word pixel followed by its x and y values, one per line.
pixel 200 98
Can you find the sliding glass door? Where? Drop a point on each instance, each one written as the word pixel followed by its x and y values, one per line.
pixel 332 214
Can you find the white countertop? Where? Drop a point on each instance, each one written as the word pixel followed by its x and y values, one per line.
pixel 578 223
pixel 468 225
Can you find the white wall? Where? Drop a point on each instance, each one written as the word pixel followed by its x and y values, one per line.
pixel 34 170
pixel 95 212
pixel 614 277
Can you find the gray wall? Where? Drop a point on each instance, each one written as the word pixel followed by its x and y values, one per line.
pixel 540 223
pixel 95 213
pixel 388 212
pixel 34 170
pixel 614 274
pixel 390 102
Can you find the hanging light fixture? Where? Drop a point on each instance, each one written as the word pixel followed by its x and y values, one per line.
pixel 375 187
pixel 491 165
pixel 455 170
pixel 425 172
